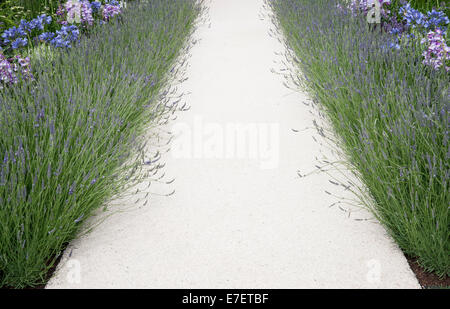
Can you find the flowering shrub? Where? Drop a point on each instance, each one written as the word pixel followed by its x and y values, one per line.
pixel 96 6
pixel 413 17
pixel 72 18
pixel 17 37
pixel 437 20
pixel 411 24
pixel 77 11
pixel 84 12
pixel 433 26
pixel 438 53
pixel 10 13
pixel 110 10
pixel 358 6
pixel 11 68
pixel 65 36
pixel 73 11
pixel 423 22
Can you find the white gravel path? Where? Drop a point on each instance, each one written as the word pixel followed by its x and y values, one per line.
pixel 238 222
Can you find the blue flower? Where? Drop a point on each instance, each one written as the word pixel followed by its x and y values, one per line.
pixel 19 42
pixel 24 29
pixel 436 19
pixel 46 36
pixel 96 5
pixel 65 36
pixel 12 33
pixel 35 24
pixel 395 31
pixel 113 2
pixel 24 26
pixel 412 17
pixel 48 19
pixel 9 34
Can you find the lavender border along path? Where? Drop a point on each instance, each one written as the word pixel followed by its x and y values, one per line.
pixel 240 216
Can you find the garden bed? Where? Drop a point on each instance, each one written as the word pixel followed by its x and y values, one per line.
pixel 70 134
pixel 385 88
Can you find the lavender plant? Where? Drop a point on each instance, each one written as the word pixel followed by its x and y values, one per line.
pixel 68 139
pixel 391 113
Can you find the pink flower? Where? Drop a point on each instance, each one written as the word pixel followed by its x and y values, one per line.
pixel 110 10
pixel 9 68
pixel 437 53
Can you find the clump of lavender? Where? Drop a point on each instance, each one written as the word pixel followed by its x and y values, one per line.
pixel 60 13
pixel 437 54
pixel 395 27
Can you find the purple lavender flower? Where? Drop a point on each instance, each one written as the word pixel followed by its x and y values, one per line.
pixel 79 218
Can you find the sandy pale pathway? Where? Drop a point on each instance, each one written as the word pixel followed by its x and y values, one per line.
pixel 238 220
